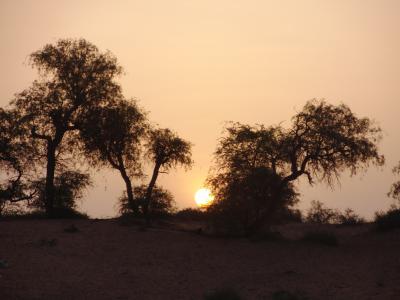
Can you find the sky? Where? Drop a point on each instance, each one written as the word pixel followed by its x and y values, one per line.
pixel 196 64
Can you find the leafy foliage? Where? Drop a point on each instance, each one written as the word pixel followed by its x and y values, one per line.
pixel 323 141
pixel 247 198
pixel 166 150
pixel 395 188
pixel 112 137
pixel 75 77
pixel 16 159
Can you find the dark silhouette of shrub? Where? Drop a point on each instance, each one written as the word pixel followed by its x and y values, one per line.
pixel 162 203
pixel 192 214
pixel 389 220
pixel 349 218
pixel 321 237
pixel 69 187
pixel 243 201
pixel 320 214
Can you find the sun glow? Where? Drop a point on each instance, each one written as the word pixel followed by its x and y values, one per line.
pixel 203 197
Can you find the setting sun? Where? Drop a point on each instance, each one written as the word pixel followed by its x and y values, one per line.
pixel 203 197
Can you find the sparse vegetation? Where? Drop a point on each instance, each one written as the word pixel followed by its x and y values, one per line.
pixel 349 218
pixel 389 220
pixel 319 214
pixel 162 203
pixel 194 214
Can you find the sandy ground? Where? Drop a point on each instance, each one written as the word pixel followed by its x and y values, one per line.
pixel 105 260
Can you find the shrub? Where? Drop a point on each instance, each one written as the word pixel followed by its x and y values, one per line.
pixel 321 237
pixel 193 214
pixel 162 202
pixel 223 294
pixel 248 201
pixel 289 215
pixel 389 220
pixel 320 214
pixel 349 218
pixel 69 186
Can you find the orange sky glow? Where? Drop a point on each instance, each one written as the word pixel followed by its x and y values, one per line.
pixel 196 64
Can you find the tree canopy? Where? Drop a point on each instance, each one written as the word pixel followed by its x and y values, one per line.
pixel 112 136
pixel 323 141
pixel 75 77
pixel 166 150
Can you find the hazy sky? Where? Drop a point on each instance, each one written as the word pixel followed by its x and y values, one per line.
pixel 195 64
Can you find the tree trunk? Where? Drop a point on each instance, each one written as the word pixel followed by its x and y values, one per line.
pixel 129 190
pixel 150 190
pixel 49 188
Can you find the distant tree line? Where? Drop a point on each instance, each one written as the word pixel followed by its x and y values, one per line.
pixel 75 115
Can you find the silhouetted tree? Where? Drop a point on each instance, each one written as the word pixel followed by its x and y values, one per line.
pixel 395 188
pixel 112 136
pixel 166 150
pixel 323 141
pixel 75 78
pixel 16 159
pixel 162 202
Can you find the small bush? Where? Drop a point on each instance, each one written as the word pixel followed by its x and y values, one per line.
pixel 349 218
pixel 320 214
pixel 192 214
pixel 390 220
pixel 223 294
pixel 321 237
pixel 162 202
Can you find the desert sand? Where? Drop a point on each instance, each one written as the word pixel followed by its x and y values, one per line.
pixel 105 260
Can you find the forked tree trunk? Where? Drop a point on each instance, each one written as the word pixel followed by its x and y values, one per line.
pixel 129 191
pixel 149 191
